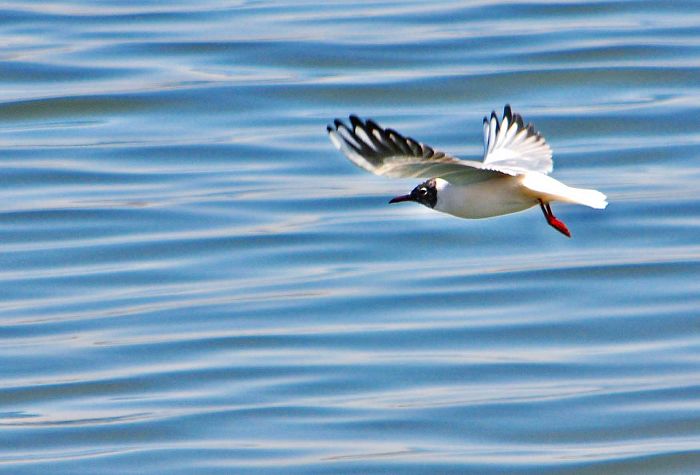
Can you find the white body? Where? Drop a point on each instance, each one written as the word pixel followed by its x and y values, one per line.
pixel 494 197
pixel 509 194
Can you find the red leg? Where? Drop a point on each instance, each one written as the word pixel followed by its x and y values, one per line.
pixel 552 220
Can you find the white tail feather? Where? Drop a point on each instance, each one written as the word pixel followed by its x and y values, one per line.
pixel 592 198
pixel 549 189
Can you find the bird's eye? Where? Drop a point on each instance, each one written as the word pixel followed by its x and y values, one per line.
pixel 423 191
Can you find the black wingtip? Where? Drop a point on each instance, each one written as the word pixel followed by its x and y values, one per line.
pixel 507 112
pixel 373 125
pixel 329 129
pixel 355 121
pixel 519 120
pixel 395 134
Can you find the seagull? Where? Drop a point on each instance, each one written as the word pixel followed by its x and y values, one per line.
pixel 512 176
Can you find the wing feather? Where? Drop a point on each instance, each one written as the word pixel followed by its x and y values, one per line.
pixel 387 152
pixel 493 128
pixel 513 147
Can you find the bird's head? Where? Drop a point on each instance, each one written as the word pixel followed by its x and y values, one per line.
pixel 425 194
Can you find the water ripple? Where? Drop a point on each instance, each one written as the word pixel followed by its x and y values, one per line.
pixel 193 280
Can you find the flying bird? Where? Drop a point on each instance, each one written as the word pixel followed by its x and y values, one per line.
pixel 512 176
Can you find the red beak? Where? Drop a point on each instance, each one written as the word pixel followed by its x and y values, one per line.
pixel 401 198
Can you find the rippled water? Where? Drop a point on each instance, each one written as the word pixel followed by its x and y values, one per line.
pixel 194 280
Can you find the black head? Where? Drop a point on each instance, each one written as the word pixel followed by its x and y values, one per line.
pixel 425 194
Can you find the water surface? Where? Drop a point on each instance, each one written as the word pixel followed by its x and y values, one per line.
pixel 194 280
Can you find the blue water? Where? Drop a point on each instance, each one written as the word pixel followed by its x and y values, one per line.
pixel 193 280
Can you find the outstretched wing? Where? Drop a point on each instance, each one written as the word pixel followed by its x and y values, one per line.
pixel 387 152
pixel 512 147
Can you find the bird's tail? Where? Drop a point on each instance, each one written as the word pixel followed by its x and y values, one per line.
pixel 549 189
pixel 582 196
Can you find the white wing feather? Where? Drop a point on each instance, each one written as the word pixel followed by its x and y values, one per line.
pixel 514 148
